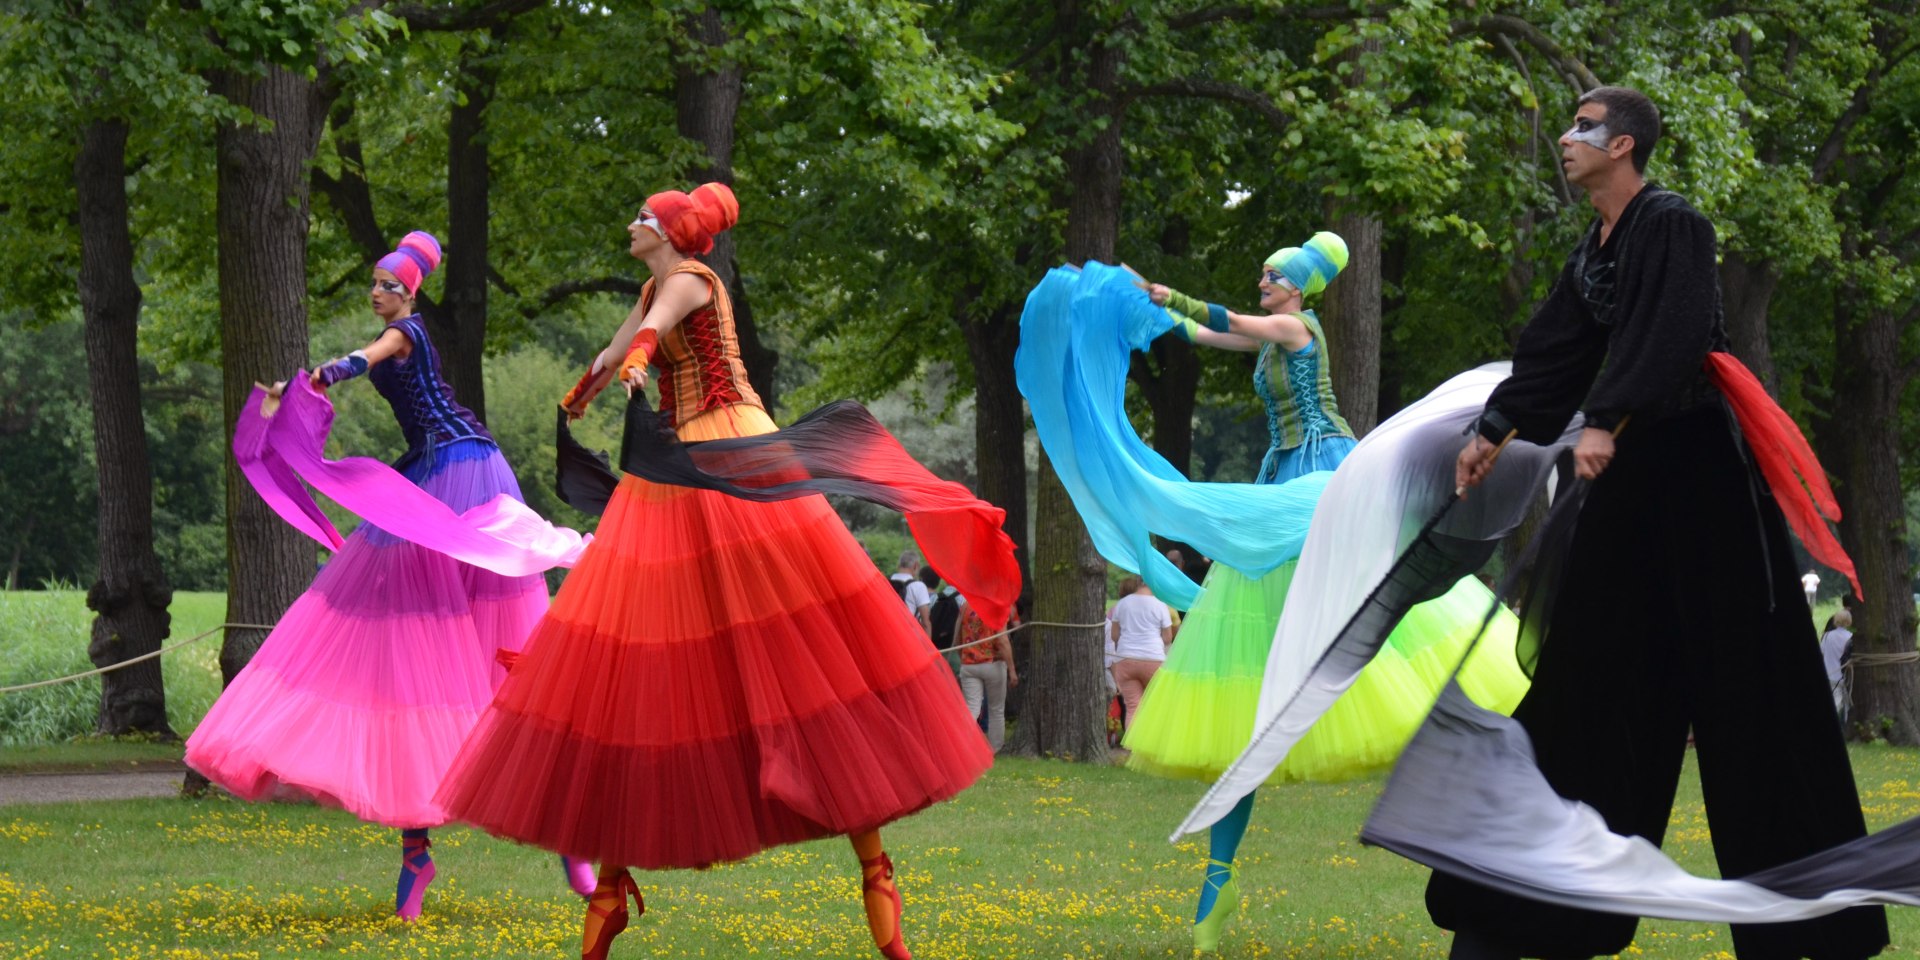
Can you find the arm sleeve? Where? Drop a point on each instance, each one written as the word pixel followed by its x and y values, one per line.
pixel 1192 308
pixel 1666 318
pixel 1554 362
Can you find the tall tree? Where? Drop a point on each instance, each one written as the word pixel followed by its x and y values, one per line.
pixel 131 596
pixel 706 96
pixel 112 70
pixel 276 72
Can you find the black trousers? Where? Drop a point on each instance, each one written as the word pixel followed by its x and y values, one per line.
pixel 1681 609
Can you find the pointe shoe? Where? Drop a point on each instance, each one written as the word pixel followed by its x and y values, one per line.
pixel 896 948
pixel 416 872
pixel 1226 899
pixel 579 875
pixel 608 906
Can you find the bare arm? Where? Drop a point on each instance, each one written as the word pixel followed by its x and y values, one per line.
pixel 1284 329
pixel 1191 316
pixel 1224 341
pixel 677 296
pixel 390 343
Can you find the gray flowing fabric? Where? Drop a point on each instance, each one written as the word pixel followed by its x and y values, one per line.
pixel 1466 797
pixel 1376 548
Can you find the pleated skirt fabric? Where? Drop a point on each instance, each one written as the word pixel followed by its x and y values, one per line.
pixel 716 677
pixel 1200 709
pixel 365 690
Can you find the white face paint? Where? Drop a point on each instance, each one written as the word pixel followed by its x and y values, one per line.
pixel 1593 134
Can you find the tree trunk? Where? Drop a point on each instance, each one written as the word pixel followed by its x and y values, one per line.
pixel 1170 383
pixel 1747 290
pixel 459 326
pixel 1066 715
pixel 706 101
pixel 1867 387
pixel 1393 275
pixel 262 218
pixel 1353 323
pixel 130 598
pixel 1000 426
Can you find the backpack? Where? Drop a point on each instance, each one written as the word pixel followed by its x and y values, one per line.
pixel 945 616
pixel 899 587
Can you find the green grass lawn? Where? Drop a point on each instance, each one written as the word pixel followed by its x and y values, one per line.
pixel 1039 860
pixel 44 634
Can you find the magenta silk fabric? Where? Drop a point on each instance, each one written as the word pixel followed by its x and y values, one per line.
pixel 278 451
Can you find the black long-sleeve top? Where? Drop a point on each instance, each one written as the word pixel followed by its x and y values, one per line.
pixel 1626 328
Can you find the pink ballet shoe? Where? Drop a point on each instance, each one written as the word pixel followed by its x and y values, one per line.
pixel 416 872
pixel 579 874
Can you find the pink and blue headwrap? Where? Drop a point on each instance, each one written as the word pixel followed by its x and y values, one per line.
pixel 410 263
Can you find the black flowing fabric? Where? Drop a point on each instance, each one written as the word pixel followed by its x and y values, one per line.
pixel 839 448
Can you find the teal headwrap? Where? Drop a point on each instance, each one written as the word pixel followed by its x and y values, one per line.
pixel 1311 266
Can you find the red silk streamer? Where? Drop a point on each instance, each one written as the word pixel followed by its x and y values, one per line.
pixel 1794 474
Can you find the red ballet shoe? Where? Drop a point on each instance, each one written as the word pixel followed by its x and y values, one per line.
pixel 873 874
pixel 607 913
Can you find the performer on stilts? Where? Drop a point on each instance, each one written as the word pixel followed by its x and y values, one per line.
pixel 1199 711
pixel 1679 609
pixel 365 689
pixel 720 675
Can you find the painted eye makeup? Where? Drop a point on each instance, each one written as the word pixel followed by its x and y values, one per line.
pixel 1590 132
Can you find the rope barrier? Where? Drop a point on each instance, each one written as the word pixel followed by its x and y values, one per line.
pixel 130 662
pixel 1034 623
pixel 255 626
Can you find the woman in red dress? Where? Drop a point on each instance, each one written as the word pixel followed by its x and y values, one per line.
pixel 717 675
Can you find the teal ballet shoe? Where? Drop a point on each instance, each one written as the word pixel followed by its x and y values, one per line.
pixel 1226 899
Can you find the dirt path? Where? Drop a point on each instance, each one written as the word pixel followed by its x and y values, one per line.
pixel 66 787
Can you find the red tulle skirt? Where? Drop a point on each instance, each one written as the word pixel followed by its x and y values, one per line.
pixel 716 677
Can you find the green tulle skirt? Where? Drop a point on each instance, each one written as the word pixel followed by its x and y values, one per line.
pixel 1198 712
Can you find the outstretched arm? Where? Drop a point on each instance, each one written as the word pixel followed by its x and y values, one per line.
pixel 633 344
pixel 678 295
pixel 1191 316
pixel 390 343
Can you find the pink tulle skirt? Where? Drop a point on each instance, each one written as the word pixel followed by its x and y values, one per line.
pixel 363 693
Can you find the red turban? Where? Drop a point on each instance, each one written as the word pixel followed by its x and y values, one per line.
pixel 691 220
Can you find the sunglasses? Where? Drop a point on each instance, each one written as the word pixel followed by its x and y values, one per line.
pixel 394 287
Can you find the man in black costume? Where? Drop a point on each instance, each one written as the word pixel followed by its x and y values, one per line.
pixel 1680 608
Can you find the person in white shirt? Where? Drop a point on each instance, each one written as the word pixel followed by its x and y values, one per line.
pixel 1140 630
pixel 919 600
pixel 1811 584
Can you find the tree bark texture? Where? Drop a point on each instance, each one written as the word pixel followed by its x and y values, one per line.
pixel 1000 426
pixel 262 217
pixel 130 598
pixel 1353 323
pixel 1746 288
pixel 1865 429
pixel 1169 373
pixel 1169 377
pixel 1065 715
pixel 706 101
pixel 459 325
